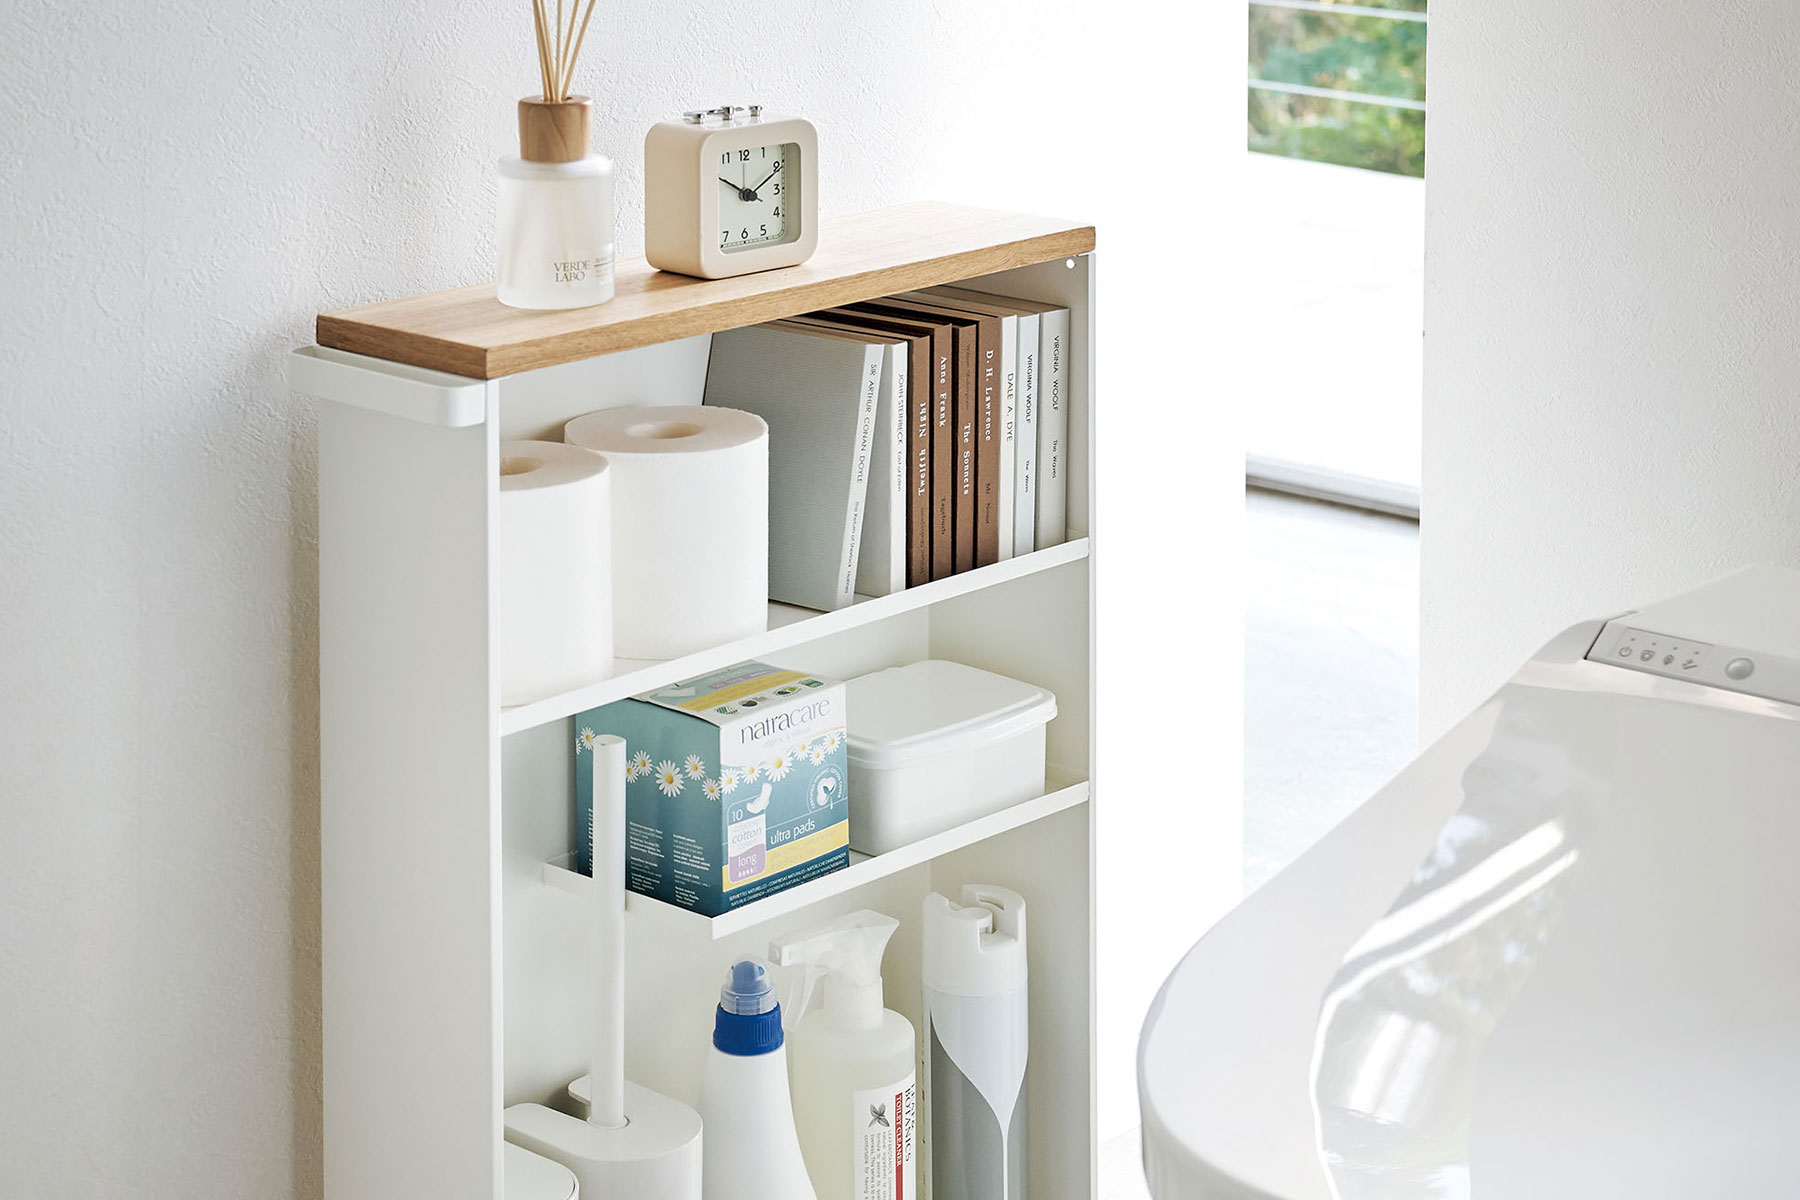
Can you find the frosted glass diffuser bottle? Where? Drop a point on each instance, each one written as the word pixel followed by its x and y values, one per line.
pixel 556 210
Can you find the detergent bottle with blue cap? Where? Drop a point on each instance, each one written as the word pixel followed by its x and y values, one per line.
pixel 749 1147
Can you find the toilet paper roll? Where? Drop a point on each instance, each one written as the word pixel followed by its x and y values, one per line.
pixel 690 524
pixel 555 562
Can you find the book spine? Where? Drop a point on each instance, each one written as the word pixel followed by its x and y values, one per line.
pixel 1009 429
pixel 859 477
pixel 943 456
pixel 1053 431
pixel 968 413
pixel 881 562
pixel 918 463
pixel 1025 467
pixel 895 433
pixel 987 444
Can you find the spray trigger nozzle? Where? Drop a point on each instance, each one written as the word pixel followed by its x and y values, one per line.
pixel 845 957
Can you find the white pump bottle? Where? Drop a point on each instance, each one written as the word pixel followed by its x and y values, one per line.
pixel 851 1062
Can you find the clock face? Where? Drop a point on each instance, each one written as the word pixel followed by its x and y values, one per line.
pixel 759 197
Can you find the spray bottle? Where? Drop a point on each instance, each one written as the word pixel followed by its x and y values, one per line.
pixel 852 1061
pixel 749 1150
pixel 976 1026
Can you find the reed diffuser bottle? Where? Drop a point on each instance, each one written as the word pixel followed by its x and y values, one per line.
pixel 556 197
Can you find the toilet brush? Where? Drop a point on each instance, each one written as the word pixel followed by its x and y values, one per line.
pixel 636 1144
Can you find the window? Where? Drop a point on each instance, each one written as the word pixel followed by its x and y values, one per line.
pixel 1339 83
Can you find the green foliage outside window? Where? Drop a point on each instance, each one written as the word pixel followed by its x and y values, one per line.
pixel 1370 55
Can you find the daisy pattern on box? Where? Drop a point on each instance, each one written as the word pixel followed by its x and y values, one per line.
pixel 751 772
pixel 728 780
pixel 638 767
pixel 818 752
pixel 711 789
pixel 584 740
pixel 833 740
pixel 696 767
pixel 778 769
pixel 668 778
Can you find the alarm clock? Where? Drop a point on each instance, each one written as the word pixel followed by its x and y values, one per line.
pixel 728 191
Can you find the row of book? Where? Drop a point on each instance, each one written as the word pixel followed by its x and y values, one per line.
pixel 910 438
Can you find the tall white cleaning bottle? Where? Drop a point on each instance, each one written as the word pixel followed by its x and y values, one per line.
pixel 852 1061
pixel 750 1150
pixel 976 1042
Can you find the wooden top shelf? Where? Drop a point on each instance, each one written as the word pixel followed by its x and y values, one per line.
pixel 466 331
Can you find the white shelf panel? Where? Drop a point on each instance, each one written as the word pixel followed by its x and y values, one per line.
pixel 863 869
pixel 788 626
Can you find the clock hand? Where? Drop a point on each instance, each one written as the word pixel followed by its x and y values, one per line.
pixel 770 176
pixel 743 192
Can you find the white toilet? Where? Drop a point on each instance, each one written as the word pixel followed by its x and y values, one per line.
pixel 1557 957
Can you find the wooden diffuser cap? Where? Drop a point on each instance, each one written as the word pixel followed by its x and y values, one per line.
pixel 555 131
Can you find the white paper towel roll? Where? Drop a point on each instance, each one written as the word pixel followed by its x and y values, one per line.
pixel 556 606
pixel 690 524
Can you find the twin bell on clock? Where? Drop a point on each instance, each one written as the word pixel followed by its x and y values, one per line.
pixel 729 191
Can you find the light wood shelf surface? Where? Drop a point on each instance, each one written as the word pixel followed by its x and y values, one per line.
pixel 466 331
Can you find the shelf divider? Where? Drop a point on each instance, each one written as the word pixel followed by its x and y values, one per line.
pixel 864 868
pixel 788 626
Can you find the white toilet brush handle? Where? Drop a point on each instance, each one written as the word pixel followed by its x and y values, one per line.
pixel 607 1108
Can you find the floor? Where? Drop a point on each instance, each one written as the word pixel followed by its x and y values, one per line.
pixel 1335 273
pixel 1331 667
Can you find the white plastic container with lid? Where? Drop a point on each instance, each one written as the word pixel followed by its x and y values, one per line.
pixel 934 744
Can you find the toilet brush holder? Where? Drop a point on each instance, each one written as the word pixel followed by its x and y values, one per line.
pixel 635 1143
pixel 533 1177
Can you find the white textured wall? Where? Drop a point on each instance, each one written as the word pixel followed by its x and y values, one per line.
pixel 186 184
pixel 1612 317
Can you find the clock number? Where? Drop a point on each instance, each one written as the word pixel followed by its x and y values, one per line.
pixel 777 210
pixel 724 158
pixel 745 235
pixel 743 156
pixel 724 236
pixel 777 190
pixel 778 164
pixel 765 231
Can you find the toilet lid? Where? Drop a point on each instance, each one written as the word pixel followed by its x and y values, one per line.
pixel 1554 958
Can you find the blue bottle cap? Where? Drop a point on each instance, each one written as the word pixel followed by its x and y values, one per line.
pixel 748 1020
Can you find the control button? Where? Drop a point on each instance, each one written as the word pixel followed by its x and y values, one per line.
pixel 1624 651
pixel 1739 668
pixel 1667 659
pixel 1646 656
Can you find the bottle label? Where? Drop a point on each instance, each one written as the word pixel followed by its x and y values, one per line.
pixel 886 1124
pixel 595 268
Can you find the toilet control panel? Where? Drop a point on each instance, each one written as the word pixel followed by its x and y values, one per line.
pixel 1623 644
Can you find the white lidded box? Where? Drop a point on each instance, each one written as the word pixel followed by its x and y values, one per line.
pixel 936 743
